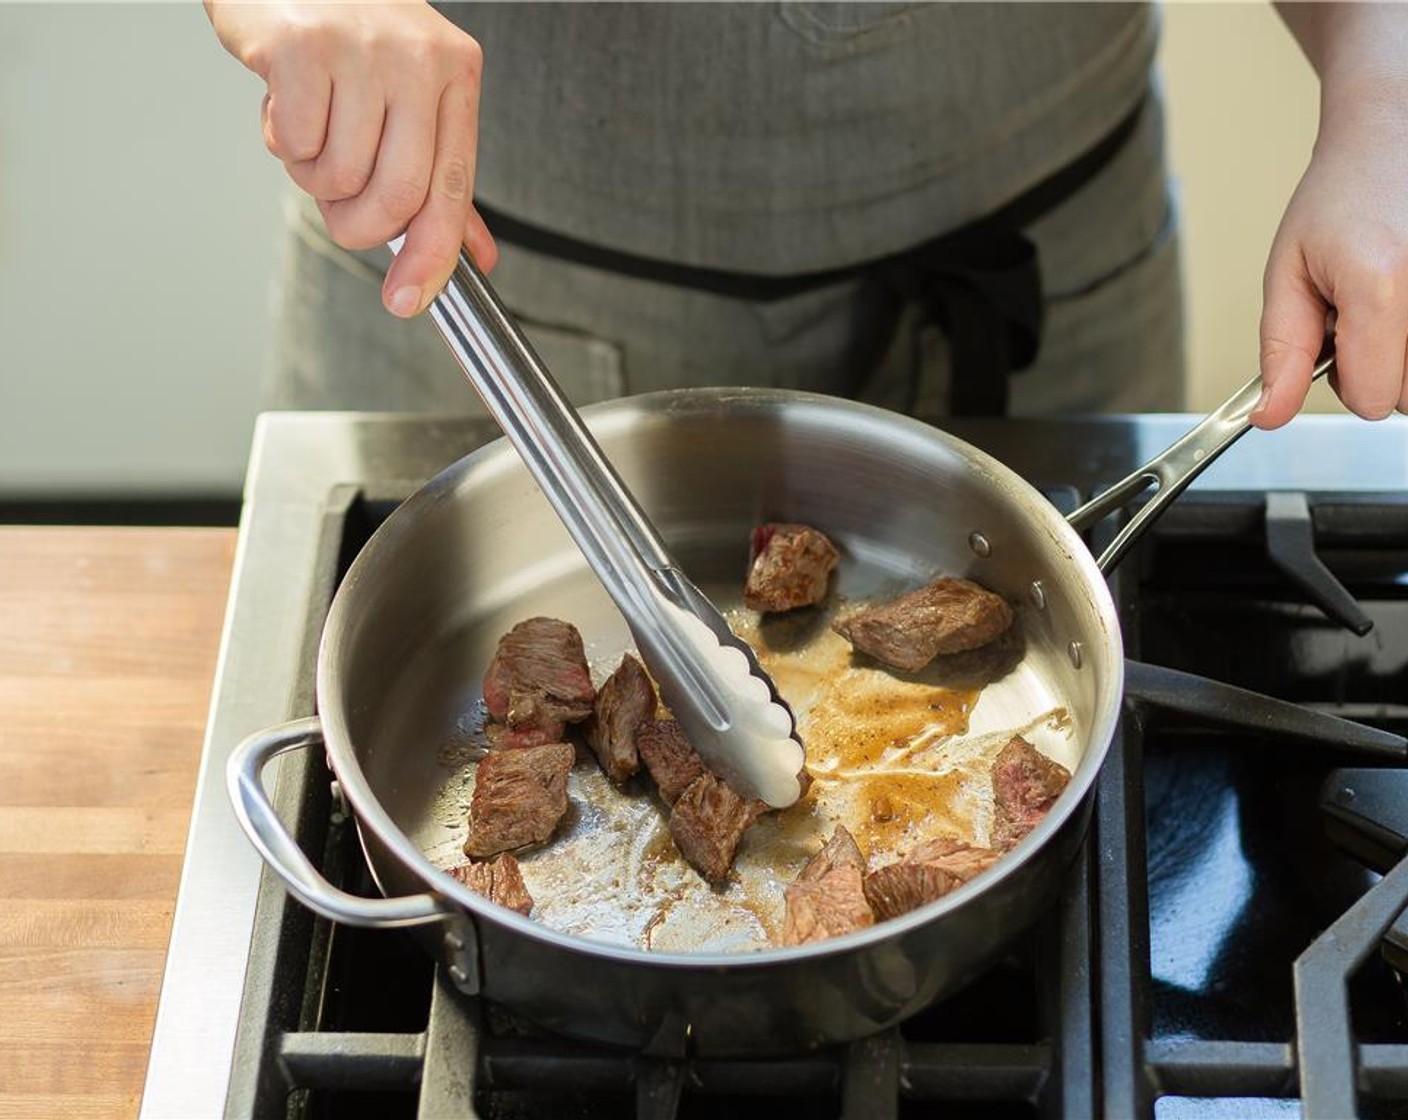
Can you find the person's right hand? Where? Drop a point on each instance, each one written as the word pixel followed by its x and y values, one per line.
pixel 374 111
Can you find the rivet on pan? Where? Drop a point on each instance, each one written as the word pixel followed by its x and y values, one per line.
pixel 339 802
pixel 1037 594
pixel 979 544
pixel 458 975
pixel 1075 651
pixel 454 941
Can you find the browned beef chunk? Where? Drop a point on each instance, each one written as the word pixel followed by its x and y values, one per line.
pixel 672 762
pixel 840 851
pixel 791 566
pixel 930 871
pixel 828 897
pixel 500 881
pixel 707 822
pixel 959 858
pixel 948 616
pixel 501 737
pixel 537 683
pixel 625 701
pixel 519 797
pixel 830 906
pixel 1025 784
pixel 901 887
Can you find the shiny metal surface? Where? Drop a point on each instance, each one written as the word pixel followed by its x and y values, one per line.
pixel 264 674
pixel 708 677
pixel 281 852
pixel 263 678
pixel 1174 468
pixel 416 620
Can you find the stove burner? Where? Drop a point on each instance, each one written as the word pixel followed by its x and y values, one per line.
pixel 1395 948
pixel 1229 706
pixel 1198 965
pixel 1290 545
pixel 1366 813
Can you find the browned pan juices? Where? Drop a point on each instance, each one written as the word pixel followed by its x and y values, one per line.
pixel 895 758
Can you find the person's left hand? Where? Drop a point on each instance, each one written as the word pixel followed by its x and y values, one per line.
pixel 1342 245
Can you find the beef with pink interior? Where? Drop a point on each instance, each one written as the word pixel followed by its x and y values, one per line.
pixel 827 898
pixel 839 852
pixel 791 565
pixel 927 873
pixel 672 762
pixel 519 797
pixel 537 683
pixel 500 881
pixel 501 737
pixel 1025 784
pixel 707 822
pixel 626 700
pixel 947 616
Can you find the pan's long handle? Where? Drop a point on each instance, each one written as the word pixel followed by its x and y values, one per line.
pixel 283 855
pixel 1176 466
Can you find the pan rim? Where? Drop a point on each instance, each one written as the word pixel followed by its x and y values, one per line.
pixel 498 454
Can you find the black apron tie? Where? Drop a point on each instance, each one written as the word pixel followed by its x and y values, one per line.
pixel 982 288
pixel 981 285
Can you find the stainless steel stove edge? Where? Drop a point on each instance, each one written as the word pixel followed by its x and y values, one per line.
pixel 297 459
pixel 295 462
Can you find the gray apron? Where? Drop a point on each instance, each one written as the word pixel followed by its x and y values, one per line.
pixel 774 140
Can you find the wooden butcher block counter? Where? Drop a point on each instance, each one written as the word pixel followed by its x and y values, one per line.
pixel 108 640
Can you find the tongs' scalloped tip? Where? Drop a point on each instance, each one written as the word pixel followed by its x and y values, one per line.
pixel 731 710
pixel 789 792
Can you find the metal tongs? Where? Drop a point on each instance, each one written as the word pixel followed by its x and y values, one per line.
pixel 708 677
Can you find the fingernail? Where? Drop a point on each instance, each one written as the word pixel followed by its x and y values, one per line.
pixel 1262 401
pixel 404 302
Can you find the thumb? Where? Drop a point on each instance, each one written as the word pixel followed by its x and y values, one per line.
pixel 1292 332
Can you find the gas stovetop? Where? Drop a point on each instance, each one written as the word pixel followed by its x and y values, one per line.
pixel 1224 945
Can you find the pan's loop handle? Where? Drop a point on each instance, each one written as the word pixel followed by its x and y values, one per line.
pixel 1173 469
pixel 281 852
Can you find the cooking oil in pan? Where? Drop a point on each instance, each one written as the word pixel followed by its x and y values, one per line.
pixel 895 758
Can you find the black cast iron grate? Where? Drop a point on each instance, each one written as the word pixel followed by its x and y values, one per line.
pixel 348 1023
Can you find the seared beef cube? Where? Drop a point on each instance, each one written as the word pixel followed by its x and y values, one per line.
pixel 840 851
pixel 519 797
pixel 672 762
pixel 501 737
pixel 625 701
pixel 707 823
pixel 929 872
pixel 902 887
pixel 500 881
pixel 828 897
pixel 830 906
pixel 538 682
pixel 948 616
pixel 790 568
pixel 959 858
pixel 1025 784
